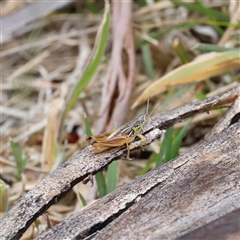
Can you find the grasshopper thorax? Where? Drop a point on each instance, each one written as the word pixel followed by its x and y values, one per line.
pixel 140 122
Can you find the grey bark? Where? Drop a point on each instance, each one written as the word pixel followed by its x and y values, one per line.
pixel 168 202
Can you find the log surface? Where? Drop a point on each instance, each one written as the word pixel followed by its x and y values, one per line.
pixel 212 152
pixel 168 202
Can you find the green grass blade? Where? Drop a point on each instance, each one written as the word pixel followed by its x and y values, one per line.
pixel 163 32
pixel 101 183
pixel 195 7
pixel 169 136
pixel 4 196
pixel 147 59
pixel 142 3
pixel 208 13
pixel 164 147
pixel 148 165
pixel 219 23
pixel 84 202
pixel 91 68
pixel 90 5
pixel 213 48
pixel 200 96
pixel 160 157
pixel 180 50
pixel 112 174
pixel 177 142
pixel 37 223
pixel 87 126
pixel 20 162
pixel 17 151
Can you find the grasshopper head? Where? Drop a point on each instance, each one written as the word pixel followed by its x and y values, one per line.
pixel 140 122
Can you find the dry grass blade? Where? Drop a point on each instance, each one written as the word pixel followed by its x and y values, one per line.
pixel 29 65
pixel 50 150
pixel 48 41
pixel 205 66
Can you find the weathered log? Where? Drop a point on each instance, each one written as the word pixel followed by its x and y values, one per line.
pixel 217 157
pixel 226 227
pixel 168 202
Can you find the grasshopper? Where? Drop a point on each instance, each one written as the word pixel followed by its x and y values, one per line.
pixel 125 134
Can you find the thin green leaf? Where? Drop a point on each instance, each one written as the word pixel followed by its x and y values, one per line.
pixel 147 59
pixel 207 12
pixel 163 150
pixel 37 223
pixel 219 23
pixel 4 196
pixel 195 7
pixel 20 162
pixel 91 67
pixel 160 158
pixel 142 2
pixel 87 126
pixel 112 176
pixel 84 202
pixel 177 142
pixel 180 50
pixel 99 49
pixel 149 164
pixel 101 183
pixel 17 151
pixel 168 136
pixel 213 48
pixel 200 96
pixel 90 6
pixel 163 32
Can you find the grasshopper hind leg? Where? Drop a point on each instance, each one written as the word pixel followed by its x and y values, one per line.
pixel 128 148
pixel 143 140
pixel 128 152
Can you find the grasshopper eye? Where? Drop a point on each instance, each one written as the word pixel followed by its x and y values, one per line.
pixel 136 128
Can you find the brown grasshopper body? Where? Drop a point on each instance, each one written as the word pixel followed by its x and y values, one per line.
pixel 117 141
pixel 125 134
pixel 101 142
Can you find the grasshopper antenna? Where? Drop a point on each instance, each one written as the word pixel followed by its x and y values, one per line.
pixel 147 116
pixel 147 105
pixel 154 109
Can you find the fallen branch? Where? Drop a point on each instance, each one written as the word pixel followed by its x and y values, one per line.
pixel 85 162
pixel 192 192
